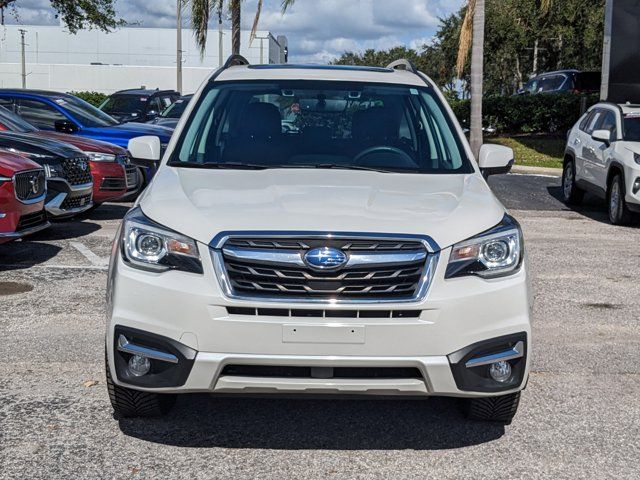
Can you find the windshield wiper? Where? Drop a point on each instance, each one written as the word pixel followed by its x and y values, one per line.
pixel 215 166
pixel 350 167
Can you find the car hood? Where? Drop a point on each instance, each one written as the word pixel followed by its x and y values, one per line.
pixel 164 122
pixel 129 130
pixel 203 203
pixel 33 143
pixel 84 144
pixel 11 163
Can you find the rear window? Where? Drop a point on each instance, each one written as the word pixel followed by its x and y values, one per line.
pixel 321 124
pixel 632 127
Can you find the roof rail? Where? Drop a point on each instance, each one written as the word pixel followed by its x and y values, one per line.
pixel 403 64
pixel 234 61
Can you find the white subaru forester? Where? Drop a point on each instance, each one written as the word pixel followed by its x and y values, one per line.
pixel 319 230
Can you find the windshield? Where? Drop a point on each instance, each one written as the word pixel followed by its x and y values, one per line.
pixel 85 113
pixel 129 104
pixel 12 122
pixel 632 127
pixel 176 109
pixel 320 124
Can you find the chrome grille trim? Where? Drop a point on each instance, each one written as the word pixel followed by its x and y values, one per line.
pixel 23 188
pixel 417 267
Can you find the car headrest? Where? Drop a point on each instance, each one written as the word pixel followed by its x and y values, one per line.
pixel 261 120
pixel 376 123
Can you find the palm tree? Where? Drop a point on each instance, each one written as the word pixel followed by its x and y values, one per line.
pixel 201 11
pixel 472 38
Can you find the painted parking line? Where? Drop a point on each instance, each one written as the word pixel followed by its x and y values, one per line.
pixel 95 260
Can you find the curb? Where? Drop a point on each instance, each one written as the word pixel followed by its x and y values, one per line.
pixel 523 169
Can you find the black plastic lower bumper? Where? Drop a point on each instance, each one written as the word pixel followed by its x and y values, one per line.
pixel 162 374
pixel 477 378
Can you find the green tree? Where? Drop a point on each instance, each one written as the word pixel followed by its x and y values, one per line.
pixel 201 11
pixel 76 14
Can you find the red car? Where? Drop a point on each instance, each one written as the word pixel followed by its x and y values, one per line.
pixel 113 175
pixel 22 193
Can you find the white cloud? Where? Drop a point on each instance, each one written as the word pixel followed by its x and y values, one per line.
pixel 318 30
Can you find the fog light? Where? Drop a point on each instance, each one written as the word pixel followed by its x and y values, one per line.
pixel 636 186
pixel 500 371
pixel 139 366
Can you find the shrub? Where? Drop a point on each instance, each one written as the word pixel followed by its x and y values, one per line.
pixel 94 98
pixel 551 113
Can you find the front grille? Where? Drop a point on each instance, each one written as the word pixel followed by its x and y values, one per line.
pixel 132 176
pixel 76 170
pixel 320 313
pixel 76 202
pixel 31 220
pixel 387 269
pixel 113 184
pixel 29 185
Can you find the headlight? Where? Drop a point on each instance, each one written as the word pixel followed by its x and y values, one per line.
pixel 52 171
pixel 101 157
pixel 150 246
pixel 636 157
pixel 494 253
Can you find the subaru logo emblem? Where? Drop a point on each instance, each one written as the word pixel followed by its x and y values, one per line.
pixel 325 258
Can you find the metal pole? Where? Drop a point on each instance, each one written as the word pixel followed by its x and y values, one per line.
pixel 24 67
pixel 179 47
pixel 261 50
pixel 220 50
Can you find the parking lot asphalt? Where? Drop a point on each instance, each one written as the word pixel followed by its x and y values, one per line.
pixel 579 416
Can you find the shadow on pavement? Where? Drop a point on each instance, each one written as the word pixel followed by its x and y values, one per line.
pixel 591 207
pixel 107 211
pixel 292 424
pixel 25 254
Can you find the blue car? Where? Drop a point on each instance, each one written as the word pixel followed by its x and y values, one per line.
pixel 68 114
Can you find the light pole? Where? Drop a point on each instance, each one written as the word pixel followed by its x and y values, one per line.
pixel 24 66
pixel 179 47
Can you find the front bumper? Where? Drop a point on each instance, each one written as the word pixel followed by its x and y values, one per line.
pixel 64 200
pixel 192 310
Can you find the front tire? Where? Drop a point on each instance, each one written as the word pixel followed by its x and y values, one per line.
pixel 127 402
pixel 571 193
pixel 500 409
pixel 619 213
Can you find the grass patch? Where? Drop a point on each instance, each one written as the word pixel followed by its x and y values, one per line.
pixel 534 150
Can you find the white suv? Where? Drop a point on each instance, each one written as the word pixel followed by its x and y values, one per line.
pixel 603 157
pixel 321 230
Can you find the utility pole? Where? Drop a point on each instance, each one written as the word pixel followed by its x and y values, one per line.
pixel 24 66
pixel 220 50
pixel 179 47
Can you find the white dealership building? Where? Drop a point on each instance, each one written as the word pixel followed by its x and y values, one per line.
pixel 126 58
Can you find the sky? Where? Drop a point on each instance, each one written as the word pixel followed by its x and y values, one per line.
pixel 318 30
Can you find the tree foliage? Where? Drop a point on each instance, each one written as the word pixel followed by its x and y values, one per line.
pixel 569 34
pixel 76 14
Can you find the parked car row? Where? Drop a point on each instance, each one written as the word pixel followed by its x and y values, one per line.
pixel 61 156
pixel 563 81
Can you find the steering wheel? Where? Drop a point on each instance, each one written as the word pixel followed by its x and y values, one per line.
pixel 406 158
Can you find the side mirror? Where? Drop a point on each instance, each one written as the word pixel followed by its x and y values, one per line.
pixel 145 148
pixel 65 126
pixel 495 159
pixel 603 136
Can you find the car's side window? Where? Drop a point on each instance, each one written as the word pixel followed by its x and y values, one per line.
pixel 7 102
pixel 593 121
pixel 39 114
pixel 608 122
pixel 585 121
